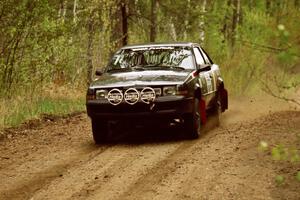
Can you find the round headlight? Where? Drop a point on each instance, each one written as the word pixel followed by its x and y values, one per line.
pixel 101 94
pixel 170 90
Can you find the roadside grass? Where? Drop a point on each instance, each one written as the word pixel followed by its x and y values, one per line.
pixel 241 74
pixel 21 108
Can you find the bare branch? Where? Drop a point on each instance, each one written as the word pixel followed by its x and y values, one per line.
pixel 277 49
pixel 266 88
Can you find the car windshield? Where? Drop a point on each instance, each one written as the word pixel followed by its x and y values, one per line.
pixel 152 58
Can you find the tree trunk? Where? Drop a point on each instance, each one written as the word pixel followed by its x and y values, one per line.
pixel 297 3
pixel 116 36
pixel 251 4
pixel 124 22
pixel 279 9
pixel 235 20
pixel 153 20
pixel 173 31
pixel 64 10
pixel 186 21
pixel 202 22
pixel 268 7
pixel 90 50
pixel 225 28
pixel 74 11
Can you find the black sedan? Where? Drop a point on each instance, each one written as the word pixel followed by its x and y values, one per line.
pixel 171 83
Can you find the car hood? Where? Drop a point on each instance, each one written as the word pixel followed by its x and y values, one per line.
pixel 140 78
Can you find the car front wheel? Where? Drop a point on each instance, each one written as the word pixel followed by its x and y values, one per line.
pixel 192 122
pixel 217 109
pixel 100 131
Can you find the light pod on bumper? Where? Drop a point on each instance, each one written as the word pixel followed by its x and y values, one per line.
pixel 169 91
pixel 174 90
pixel 101 94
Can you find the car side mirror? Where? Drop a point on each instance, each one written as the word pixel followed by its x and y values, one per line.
pixel 204 68
pixel 98 72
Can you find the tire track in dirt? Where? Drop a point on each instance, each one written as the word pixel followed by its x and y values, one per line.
pixel 107 168
pixel 199 179
pixel 28 183
pixel 139 171
pixel 167 176
pixel 59 161
pixel 220 165
pixel 152 182
pixel 42 153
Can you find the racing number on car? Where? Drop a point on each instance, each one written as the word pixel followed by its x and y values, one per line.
pixel 214 75
pixel 209 83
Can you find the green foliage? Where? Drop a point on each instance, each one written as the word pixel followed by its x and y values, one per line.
pixel 19 111
pixel 279 152
pixel 59 43
pixel 295 156
pixel 263 146
pixel 279 179
pixel 298 176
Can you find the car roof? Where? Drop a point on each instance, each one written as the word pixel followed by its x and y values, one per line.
pixel 176 44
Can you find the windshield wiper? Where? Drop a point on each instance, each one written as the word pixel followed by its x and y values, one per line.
pixel 177 67
pixel 164 66
pixel 145 67
pixel 118 69
pixel 138 68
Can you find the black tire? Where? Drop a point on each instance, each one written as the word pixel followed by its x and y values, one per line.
pixel 100 131
pixel 192 122
pixel 217 109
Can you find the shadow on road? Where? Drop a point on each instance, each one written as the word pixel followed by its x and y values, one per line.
pixel 154 133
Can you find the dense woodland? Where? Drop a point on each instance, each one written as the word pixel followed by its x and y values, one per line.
pixel 50 48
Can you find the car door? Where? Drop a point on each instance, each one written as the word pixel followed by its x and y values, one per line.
pixel 205 77
pixel 213 73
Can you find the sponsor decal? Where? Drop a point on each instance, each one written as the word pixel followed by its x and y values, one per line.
pixel 115 97
pixel 208 82
pixel 131 96
pixel 148 95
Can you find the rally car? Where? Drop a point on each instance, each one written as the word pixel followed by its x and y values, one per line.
pixel 171 83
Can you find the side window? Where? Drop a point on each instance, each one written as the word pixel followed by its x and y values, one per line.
pixel 207 60
pixel 199 58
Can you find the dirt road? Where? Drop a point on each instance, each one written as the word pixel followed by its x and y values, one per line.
pixel 57 159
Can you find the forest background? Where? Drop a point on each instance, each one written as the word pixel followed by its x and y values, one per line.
pixel 49 49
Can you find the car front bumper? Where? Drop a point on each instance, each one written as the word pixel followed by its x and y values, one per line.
pixel 162 107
